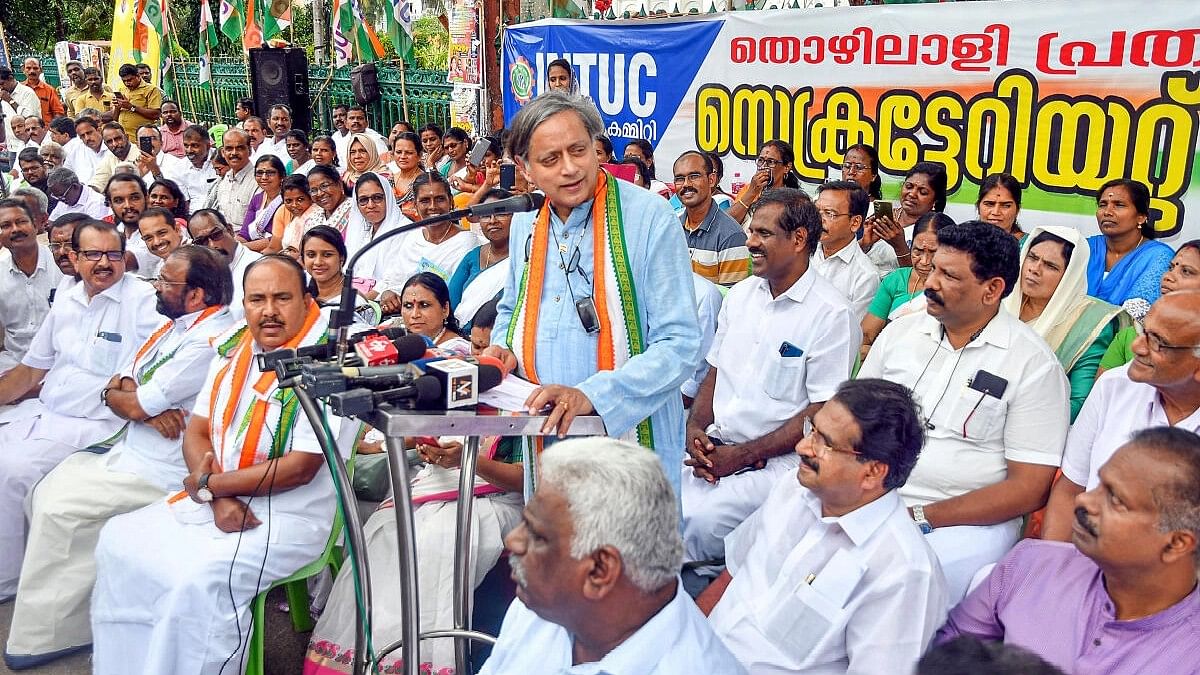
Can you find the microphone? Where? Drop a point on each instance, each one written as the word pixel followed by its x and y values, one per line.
pixel 421 391
pixel 407 347
pixel 530 201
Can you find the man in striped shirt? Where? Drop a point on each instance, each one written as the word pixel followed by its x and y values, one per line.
pixel 716 241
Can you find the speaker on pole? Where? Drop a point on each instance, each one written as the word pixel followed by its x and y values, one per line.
pixel 281 76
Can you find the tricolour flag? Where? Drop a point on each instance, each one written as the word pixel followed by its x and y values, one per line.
pixel 233 23
pixel 399 26
pixel 208 40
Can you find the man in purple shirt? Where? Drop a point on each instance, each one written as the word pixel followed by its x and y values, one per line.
pixel 1123 598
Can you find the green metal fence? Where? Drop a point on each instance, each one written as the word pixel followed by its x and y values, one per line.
pixel 425 93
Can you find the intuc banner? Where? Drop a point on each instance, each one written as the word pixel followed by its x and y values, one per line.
pixel 1062 95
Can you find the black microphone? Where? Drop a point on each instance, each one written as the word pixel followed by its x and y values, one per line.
pixel 359 401
pixel 530 201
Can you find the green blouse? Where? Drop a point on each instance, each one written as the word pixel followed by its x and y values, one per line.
pixel 893 292
pixel 1120 351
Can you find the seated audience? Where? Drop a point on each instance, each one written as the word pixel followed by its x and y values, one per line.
pixel 843 208
pixel 595 557
pixel 324 152
pixel 641 150
pixel 208 227
pixel 323 256
pixel 861 165
pixel 86 158
pixel 1123 597
pixel 775 170
pixel 437 248
pixel 716 242
pixel 199 174
pixel 1159 387
pixel 33 172
pixel 362 156
pixel 1183 274
pixel 298 219
pixel 481 275
pixel 73 196
pixel 236 186
pixel 299 152
pixel 356 123
pixel 161 235
pixel 1126 264
pixel 329 192
pixel 434 156
pixel 999 203
pixel 256 229
pixel 157 164
pixel 120 149
pixel 404 168
pixel 155 393
pixel 28 277
pixel 375 214
pixel 36 201
pixel 258 503
pixel 785 340
pixel 886 237
pixel 481 327
pixel 902 291
pixel 1051 298
pixel 126 196
pixel 995 399
pixel 829 574
pixel 90 331
pixel 60 235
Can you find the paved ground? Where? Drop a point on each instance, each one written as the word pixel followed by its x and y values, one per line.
pixel 284 647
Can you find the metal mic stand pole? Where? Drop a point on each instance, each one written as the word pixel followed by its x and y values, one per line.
pixel 356 543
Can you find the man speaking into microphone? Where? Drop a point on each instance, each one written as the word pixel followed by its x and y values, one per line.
pixel 598 308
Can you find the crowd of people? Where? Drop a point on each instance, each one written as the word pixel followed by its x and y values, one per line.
pixel 846 434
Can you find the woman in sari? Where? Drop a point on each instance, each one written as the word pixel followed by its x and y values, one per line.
pixel 886 237
pixel 999 203
pixel 324 151
pixel 329 193
pixel 300 150
pixel 1051 298
pixel 1183 274
pixel 323 255
pixel 1126 264
pixel 902 291
pixel 431 143
pixel 405 167
pixel 482 273
pixel 362 156
pixel 256 231
pixel 165 193
pixel 776 168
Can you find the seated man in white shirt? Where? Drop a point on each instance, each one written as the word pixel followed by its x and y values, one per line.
pixel 127 197
pixel 279 120
pixel 830 575
pixel 85 157
pixel 198 176
pixel 208 227
pixel 258 503
pixel 595 559
pixel 839 258
pixel 156 393
pixel 786 338
pixel 73 196
pixel 156 163
pixel 994 397
pixel 1159 387
pixel 27 277
pixel 161 235
pixel 90 331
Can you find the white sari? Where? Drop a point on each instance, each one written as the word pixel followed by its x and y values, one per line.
pixel 481 290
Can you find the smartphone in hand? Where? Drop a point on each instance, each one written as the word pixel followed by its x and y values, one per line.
pixel 883 208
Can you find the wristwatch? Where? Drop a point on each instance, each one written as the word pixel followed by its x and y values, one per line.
pixel 202 492
pixel 918 513
pixel 104 394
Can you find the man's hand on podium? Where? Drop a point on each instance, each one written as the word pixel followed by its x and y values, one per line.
pixel 564 404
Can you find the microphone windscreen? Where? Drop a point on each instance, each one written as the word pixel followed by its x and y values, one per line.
pixel 494 362
pixel 489 376
pixel 429 388
pixel 409 347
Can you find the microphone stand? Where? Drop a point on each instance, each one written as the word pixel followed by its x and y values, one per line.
pixel 340 320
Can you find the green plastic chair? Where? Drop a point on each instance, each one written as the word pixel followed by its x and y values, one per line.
pixel 295 586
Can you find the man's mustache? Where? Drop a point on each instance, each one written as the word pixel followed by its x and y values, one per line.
pixel 1081 516
pixel 932 296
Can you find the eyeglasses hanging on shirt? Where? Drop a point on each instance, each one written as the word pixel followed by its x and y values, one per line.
pixel 585 308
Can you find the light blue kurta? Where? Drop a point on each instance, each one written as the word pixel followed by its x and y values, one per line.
pixel 648 384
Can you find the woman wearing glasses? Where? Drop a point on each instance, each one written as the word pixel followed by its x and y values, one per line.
pixel 375 214
pixel 255 234
pixel 1051 297
pixel 437 248
pixel 481 275
pixel 328 192
pixel 774 170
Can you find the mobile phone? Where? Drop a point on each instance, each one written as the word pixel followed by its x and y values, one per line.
pixel 146 144
pixel 587 315
pixel 883 208
pixel 478 151
pixel 508 176
pixel 989 384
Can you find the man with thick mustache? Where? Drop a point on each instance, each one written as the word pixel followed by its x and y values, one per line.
pixel 257 504
pixel 198 175
pixel 1122 599
pixel 830 575
pixel 120 149
pixel 716 242
pixel 1159 387
pixel 155 393
pixel 27 277
pixel 90 331
pixel 786 338
pixel 237 187
pixel 994 397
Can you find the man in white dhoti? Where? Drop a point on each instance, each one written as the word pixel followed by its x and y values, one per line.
pixel 91 329
pixel 155 392
pixel 258 504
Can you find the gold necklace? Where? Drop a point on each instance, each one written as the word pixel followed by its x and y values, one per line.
pixel 449 230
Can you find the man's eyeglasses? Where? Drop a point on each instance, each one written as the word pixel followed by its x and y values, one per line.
pixel 828 214
pixel 63 246
pixel 693 177
pixel 95 256
pixel 853 167
pixel 767 163
pixel 1157 345
pixel 366 200
pixel 821 445
pixel 164 282
pixel 212 236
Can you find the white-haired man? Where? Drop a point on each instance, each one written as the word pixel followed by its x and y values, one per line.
pixel 595 559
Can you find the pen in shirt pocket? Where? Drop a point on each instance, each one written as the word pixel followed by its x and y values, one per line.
pixel 110 337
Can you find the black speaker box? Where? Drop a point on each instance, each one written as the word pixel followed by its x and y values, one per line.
pixel 281 76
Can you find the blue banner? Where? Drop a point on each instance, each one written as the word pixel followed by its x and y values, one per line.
pixel 637 75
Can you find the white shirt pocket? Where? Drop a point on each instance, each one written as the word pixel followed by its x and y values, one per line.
pixel 815 608
pixel 105 355
pixel 978 416
pixel 784 379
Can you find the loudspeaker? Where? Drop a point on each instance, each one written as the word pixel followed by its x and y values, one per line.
pixel 281 76
pixel 364 82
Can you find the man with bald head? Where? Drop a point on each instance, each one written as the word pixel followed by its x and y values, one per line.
pixel 237 186
pixel 215 549
pixel 1160 386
